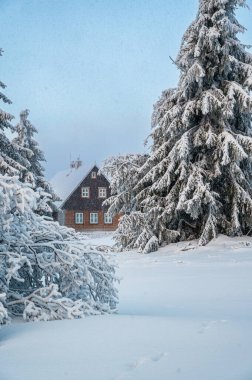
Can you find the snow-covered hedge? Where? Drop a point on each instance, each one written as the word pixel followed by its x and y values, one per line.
pixel 45 270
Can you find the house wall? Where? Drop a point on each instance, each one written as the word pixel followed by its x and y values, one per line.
pixel 61 217
pixel 86 226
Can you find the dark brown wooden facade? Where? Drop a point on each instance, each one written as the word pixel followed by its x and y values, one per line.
pixel 83 210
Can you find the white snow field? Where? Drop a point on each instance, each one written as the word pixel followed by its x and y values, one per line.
pixel 182 315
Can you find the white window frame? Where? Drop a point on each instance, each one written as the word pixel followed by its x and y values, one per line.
pixel 107 218
pixel 93 175
pixel 102 192
pixel 93 218
pixel 79 218
pixel 85 192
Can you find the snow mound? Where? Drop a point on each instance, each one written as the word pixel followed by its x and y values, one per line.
pixel 222 244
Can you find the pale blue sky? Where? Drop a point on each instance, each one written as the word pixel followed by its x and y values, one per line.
pixel 90 70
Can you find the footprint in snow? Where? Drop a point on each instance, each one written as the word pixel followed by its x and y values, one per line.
pixel 207 326
pixel 145 359
pixel 140 362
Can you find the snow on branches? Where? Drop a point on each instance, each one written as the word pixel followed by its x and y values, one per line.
pixel 134 230
pixel 3 311
pixel 123 174
pixel 197 181
pixel 46 271
pixel 29 149
pixel 207 144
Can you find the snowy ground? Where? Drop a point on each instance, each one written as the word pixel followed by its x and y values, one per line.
pixel 182 315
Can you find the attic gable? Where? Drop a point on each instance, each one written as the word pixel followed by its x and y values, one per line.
pixel 75 201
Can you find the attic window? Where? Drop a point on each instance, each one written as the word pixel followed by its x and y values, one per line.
pixel 85 192
pixel 93 175
pixel 102 192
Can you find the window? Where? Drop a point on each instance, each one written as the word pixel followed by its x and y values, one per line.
pixel 85 192
pixel 107 218
pixel 79 218
pixel 93 175
pixel 102 192
pixel 93 217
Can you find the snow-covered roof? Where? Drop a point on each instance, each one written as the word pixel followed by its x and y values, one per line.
pixel 65 181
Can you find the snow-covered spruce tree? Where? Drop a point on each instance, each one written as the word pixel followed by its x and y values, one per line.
pixel 46 272
pixel 11 161
pixel 133 229
pixel 197 181
pixel 34 174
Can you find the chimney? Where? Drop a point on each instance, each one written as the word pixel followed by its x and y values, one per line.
pixel 76 164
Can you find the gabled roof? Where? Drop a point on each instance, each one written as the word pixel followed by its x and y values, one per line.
pixel 66 181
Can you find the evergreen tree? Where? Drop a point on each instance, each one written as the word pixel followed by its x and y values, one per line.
pixel 197 181
pixel 122 172
pixel 11 161
pixel 29 149
pixel 46 272
pixel 134 230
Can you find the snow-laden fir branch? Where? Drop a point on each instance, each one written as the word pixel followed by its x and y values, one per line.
pixel 46 270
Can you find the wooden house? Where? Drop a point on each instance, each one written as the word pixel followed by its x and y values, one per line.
pixel 82 207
